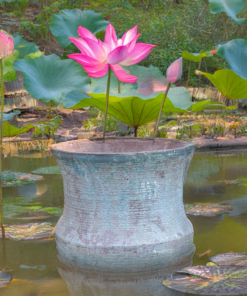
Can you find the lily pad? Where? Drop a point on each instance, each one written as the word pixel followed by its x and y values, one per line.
pixel 4 279
pixel 195 57
pixel 29 231
pixel 24 47
pixel 207 209
pixel 49 78
pixel 230 7
pixel 17 211
pixel 230 259
pixel 11 179
pixel 66 24
pixel 209 280
pixel 235 53
pixel 138 103
pixel 231 85
pixel 52 170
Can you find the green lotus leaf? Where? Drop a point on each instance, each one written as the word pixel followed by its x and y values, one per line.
pixel 228 83
pixel 230 7
pixel 34 55
pixel 49 78
pixel 8 69
pixel 8 1
pixel 11 131
pixel 230 259
pixel 209 280
pixel 132 109
pixel 219 106
pixel 235 52
pixel 48 170
pixel 67 22
pixel 24 47
pixel 137 103
pixel 195 57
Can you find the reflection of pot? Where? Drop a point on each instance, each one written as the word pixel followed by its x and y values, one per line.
pixel 123 209
pixel 85 283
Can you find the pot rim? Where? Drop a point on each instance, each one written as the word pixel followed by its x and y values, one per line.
pixel 184 146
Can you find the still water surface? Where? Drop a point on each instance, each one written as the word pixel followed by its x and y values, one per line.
pixel 205 183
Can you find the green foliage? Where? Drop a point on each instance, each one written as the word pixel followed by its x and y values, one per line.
pixel 66 23
pixel 24 47
pixel 11 131
pixel 195 57
pixel 230 7
pixel 111 123
pixel 8 69
pixel 228 83
pixel 48 171
pixel 49 78
pixel 47 128
pixel 235 53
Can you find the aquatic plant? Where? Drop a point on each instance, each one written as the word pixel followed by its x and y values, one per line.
pixel 6 50
pixel 99 58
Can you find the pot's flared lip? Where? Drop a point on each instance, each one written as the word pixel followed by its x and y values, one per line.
pixel 121 146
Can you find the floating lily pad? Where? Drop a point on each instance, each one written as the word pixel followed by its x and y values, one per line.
pixel 207 209
pixel 233 259
pixel 209 280
pixel 52 170
pixel 4 279
pixel 29 231
pixel 11 179
pixel 16 211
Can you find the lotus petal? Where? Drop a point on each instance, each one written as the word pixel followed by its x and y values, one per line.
pixel 140 51
pixel 117 55
pixel 122 75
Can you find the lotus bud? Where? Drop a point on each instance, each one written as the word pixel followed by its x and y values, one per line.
pixel 175 71
pixel 6 45
pixel 213 51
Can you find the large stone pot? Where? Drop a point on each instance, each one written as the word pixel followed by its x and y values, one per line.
pixel 123 208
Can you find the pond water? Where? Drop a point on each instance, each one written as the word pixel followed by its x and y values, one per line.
pixel 34 266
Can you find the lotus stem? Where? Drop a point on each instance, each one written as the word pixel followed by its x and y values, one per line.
pixel 135 131
pixel 225 22
pixel 119 86
pixel 188 74
pixel 200 64
pixel 161 108
pixel 107 101
pixel 1 152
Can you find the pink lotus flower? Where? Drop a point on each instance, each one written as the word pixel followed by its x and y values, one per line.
pixel 175 71
pixel 97 56
pixel 213 51
pixel 6 45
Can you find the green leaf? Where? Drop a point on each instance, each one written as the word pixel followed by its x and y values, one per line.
pixel 235 53
pixel 34 55
pixel 11 131
pixel 11 179
pixel 229 84
pixel 195 57
pixel 209 280
pixel 24 47
pixel 230 259
pixel 219 106
pixel 67 22
pixel 49 78
pixel 48 170
pixel 230 7
pixel 8 69
pixel 138 103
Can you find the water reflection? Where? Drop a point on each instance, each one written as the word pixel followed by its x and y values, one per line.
pixel 81 282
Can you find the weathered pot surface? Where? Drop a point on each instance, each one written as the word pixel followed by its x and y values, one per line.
pixel 123 208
